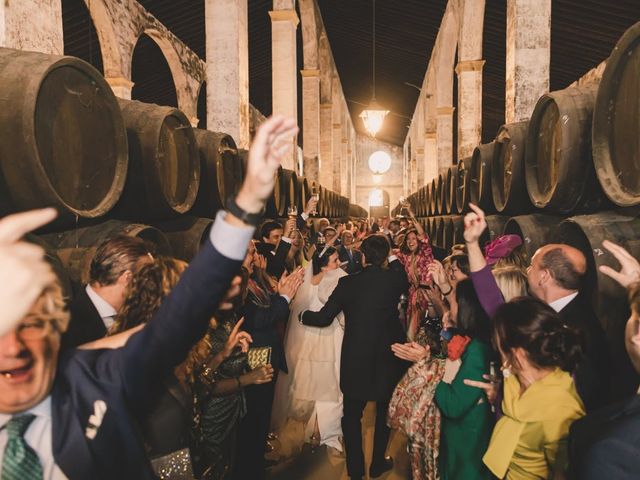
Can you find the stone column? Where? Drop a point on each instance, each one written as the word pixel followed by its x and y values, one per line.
pixel 311 112
pixel 121 86
pixel 284 23
pixel 326 148
pixel 345 169
pixel 420 167
pixel 312 168
pixel 336 141
pixel 469 106
pixel 227 69
pixel 528 56
pixel 33 25
pixel 430 156
pixel 413 168
pixel 444 132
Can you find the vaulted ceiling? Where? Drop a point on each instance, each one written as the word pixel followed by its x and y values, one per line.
pixel 583 33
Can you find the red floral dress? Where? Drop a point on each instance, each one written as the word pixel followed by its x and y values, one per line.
pixel 415 264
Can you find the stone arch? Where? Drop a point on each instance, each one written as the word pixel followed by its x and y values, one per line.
pixel 151 73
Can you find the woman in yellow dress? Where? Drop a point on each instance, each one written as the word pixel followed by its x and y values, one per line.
pixel 540 399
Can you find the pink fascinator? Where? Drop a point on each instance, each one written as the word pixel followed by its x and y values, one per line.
pixel 501 247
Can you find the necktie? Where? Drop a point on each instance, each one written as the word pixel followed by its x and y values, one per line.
pixel 20 461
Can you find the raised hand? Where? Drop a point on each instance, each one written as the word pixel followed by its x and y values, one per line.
pixel 490 388
pixel 436 270
pixel 312 204
pixel 290 226
pixel 23 271
pixel 474 224
pixel 413 352
pixel 257 376
pixel 630 268
pixel 289 284
pixel 237 339
pixel 273 140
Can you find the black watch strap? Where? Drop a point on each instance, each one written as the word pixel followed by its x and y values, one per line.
pixel 248 218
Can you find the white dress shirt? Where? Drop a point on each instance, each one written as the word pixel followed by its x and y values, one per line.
pixel 560 303
pixel 38 436
pixel 104 308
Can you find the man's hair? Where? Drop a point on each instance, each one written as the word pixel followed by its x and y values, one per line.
pixel 375 249
pixel 562 270
pixel 394 222
pixel 115 256
pixel 268 227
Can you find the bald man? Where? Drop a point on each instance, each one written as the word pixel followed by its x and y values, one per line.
pixel 555 276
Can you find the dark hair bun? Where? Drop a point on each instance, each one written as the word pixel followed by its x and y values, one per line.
pixel 561 347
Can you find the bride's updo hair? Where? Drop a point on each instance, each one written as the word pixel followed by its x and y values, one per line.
pixel 536 328
pixel 321 258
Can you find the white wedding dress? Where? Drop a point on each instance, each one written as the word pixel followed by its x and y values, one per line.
pixel 311 389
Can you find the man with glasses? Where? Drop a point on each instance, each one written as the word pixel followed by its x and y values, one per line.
pixel 74 415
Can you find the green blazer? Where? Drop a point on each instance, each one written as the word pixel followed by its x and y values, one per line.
pixel 467 421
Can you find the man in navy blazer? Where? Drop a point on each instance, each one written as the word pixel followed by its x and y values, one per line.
pixel 82 404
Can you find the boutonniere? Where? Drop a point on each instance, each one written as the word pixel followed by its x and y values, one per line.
pixel 456 346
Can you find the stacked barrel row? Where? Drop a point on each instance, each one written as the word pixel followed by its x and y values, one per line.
pixel 570 174
pixel 114 166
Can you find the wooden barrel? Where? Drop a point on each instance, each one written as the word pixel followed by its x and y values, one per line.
pixel 304 193
pixel 77 247
pixel 558 167
pixel 481 162
pixel 507 170
pixel 221 172
pixel 452 186
pixel 587 232
pixel 62 137
pixel 186 234
pixel 164 163
pixel 288 185
pixel 616 122
pixel 463 185
pixel 439 231
pixel 54 261
pixel 495 227
pixel 535 230
pixel 440 195
pixel 454 228
pixel 427 200
pixel 433 207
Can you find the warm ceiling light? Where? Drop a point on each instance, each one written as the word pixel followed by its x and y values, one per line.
pixel 379 162
pixel 373 115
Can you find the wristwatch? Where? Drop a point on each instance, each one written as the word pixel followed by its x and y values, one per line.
pixel 252 219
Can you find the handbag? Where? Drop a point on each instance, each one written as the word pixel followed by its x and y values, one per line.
pixel 174 466
pixel 258 357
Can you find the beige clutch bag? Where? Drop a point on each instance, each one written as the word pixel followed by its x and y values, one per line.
pixel 258 357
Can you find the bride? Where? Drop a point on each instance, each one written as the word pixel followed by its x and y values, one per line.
pixel 308 400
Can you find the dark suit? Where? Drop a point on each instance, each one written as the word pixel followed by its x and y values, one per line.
pixel 355 260
pixel 275 256
pixel 369 370
pixel 592 375
pixel 85 324
pixel 606 443
pixel 123 378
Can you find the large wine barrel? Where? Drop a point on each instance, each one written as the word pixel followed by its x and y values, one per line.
pixel 288 186
pixel 558 167
pixel 495 227
pixel 587 232
pixel 481 162
pixel 433 201
pixel 164 163
pixel 221 172
pixel 463 185
pixel 452 186
pixel 453 230
pixel 507 170
pixel 62 137
pixel 77 247
pixel 427 200
pixel 441 192
pixel 616 122
pixel 535 230
pixel 186 234
pixel 439 231
pixel 304 193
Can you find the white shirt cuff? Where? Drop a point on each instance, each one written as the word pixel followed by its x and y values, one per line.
pixel 230 240
pixel 304 216
pixel 286 297
pixel 392 258
pixel 286 240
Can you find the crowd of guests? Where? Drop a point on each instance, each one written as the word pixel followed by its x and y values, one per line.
pixel 277 335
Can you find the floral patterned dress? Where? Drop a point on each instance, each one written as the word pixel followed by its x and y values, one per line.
pixel 415 264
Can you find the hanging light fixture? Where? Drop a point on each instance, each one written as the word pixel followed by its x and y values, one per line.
pixel 374 114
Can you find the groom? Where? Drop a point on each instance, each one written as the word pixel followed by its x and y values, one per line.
pixel 368 370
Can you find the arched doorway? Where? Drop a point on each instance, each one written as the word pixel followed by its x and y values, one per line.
pixel 79 33
pixel 151 75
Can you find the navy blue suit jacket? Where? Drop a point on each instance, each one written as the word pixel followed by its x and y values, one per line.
pixel 123 378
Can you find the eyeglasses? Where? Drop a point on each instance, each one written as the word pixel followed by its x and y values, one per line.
pixel 35 327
